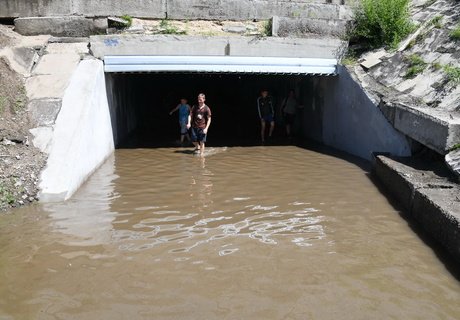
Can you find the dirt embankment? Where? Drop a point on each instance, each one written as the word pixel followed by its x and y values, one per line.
pixel 20 162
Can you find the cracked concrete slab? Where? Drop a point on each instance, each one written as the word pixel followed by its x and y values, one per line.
pixel 57 63
pixel 43 112
pixel 47 86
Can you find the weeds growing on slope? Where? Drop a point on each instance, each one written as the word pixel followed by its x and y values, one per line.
pixel 455 34
pixel 416 66
pixel 453 73
pixel 381 22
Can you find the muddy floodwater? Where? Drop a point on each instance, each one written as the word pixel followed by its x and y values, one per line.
pixel 243 233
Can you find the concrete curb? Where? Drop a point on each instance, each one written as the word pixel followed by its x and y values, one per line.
pixel 432 200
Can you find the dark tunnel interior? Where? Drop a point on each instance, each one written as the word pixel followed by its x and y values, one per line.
pixel 140 105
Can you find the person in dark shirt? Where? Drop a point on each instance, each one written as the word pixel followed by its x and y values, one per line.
pixel 199 120
pixel 266 113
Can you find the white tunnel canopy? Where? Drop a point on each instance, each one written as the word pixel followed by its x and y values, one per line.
pixel 220 64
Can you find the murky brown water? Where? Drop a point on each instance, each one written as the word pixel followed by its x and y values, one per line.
pixel 245 233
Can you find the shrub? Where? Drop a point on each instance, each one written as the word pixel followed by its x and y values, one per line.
pixel 381 22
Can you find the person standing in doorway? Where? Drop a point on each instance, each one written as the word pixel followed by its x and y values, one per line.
pixel 184 112
pixel 266 113
pixel 289 110
pixel 199 120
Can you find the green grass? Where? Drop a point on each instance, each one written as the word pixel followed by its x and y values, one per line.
pixel 455 34
pixel 416 66
pixel 453 73
pixel 267 28
pixel 455 147
pixel 128 19
pixel 437 66
pixel 167 28
pixel 6 197
pixel 436 22
pixel 381 23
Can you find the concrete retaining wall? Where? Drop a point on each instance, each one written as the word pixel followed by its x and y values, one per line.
pixel 82 137
pixel 349 120
pixel 176 9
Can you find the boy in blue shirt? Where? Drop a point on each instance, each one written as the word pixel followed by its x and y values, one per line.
pixel 184 112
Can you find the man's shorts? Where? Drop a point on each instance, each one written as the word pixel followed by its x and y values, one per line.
pixel 268 118
pixel 198 135
pixel 183 127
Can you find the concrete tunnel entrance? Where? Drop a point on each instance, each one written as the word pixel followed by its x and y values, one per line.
pixel 140 105
pixel 141 91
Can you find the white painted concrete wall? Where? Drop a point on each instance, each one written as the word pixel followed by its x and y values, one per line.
pixel 353 123
pixel 82 137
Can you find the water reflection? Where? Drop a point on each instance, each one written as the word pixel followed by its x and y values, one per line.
pixel 87 216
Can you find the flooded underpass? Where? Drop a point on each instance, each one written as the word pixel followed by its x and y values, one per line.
pixel 244 233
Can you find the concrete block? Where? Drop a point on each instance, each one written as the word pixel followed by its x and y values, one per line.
pixel 154 9
pixel 101 46
pixel 434 129
pixel 65 26
pixel 213 9
pixel 394 180
pixel 78 48
pixel 178 9
pixel 43 112
pixel 57 64
pixel 283 26
pixel 47 86
pixel 21 59
pixel 430 199
pixel 438 211
pixel 295 9
pixel 25 56
pixel 285 47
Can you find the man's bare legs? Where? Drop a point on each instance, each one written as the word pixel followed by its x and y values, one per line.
pixel 272 127
pixel 262 130
pixel 201 148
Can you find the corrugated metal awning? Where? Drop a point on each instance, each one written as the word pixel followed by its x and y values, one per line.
pixel 220 64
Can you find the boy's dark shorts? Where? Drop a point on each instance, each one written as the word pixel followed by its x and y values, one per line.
pixel 289 118
pixel 198 135
pixel 268 118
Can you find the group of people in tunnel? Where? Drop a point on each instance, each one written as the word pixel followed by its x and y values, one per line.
pixel 195 121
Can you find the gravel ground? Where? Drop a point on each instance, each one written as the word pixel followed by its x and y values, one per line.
pixel 20 162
